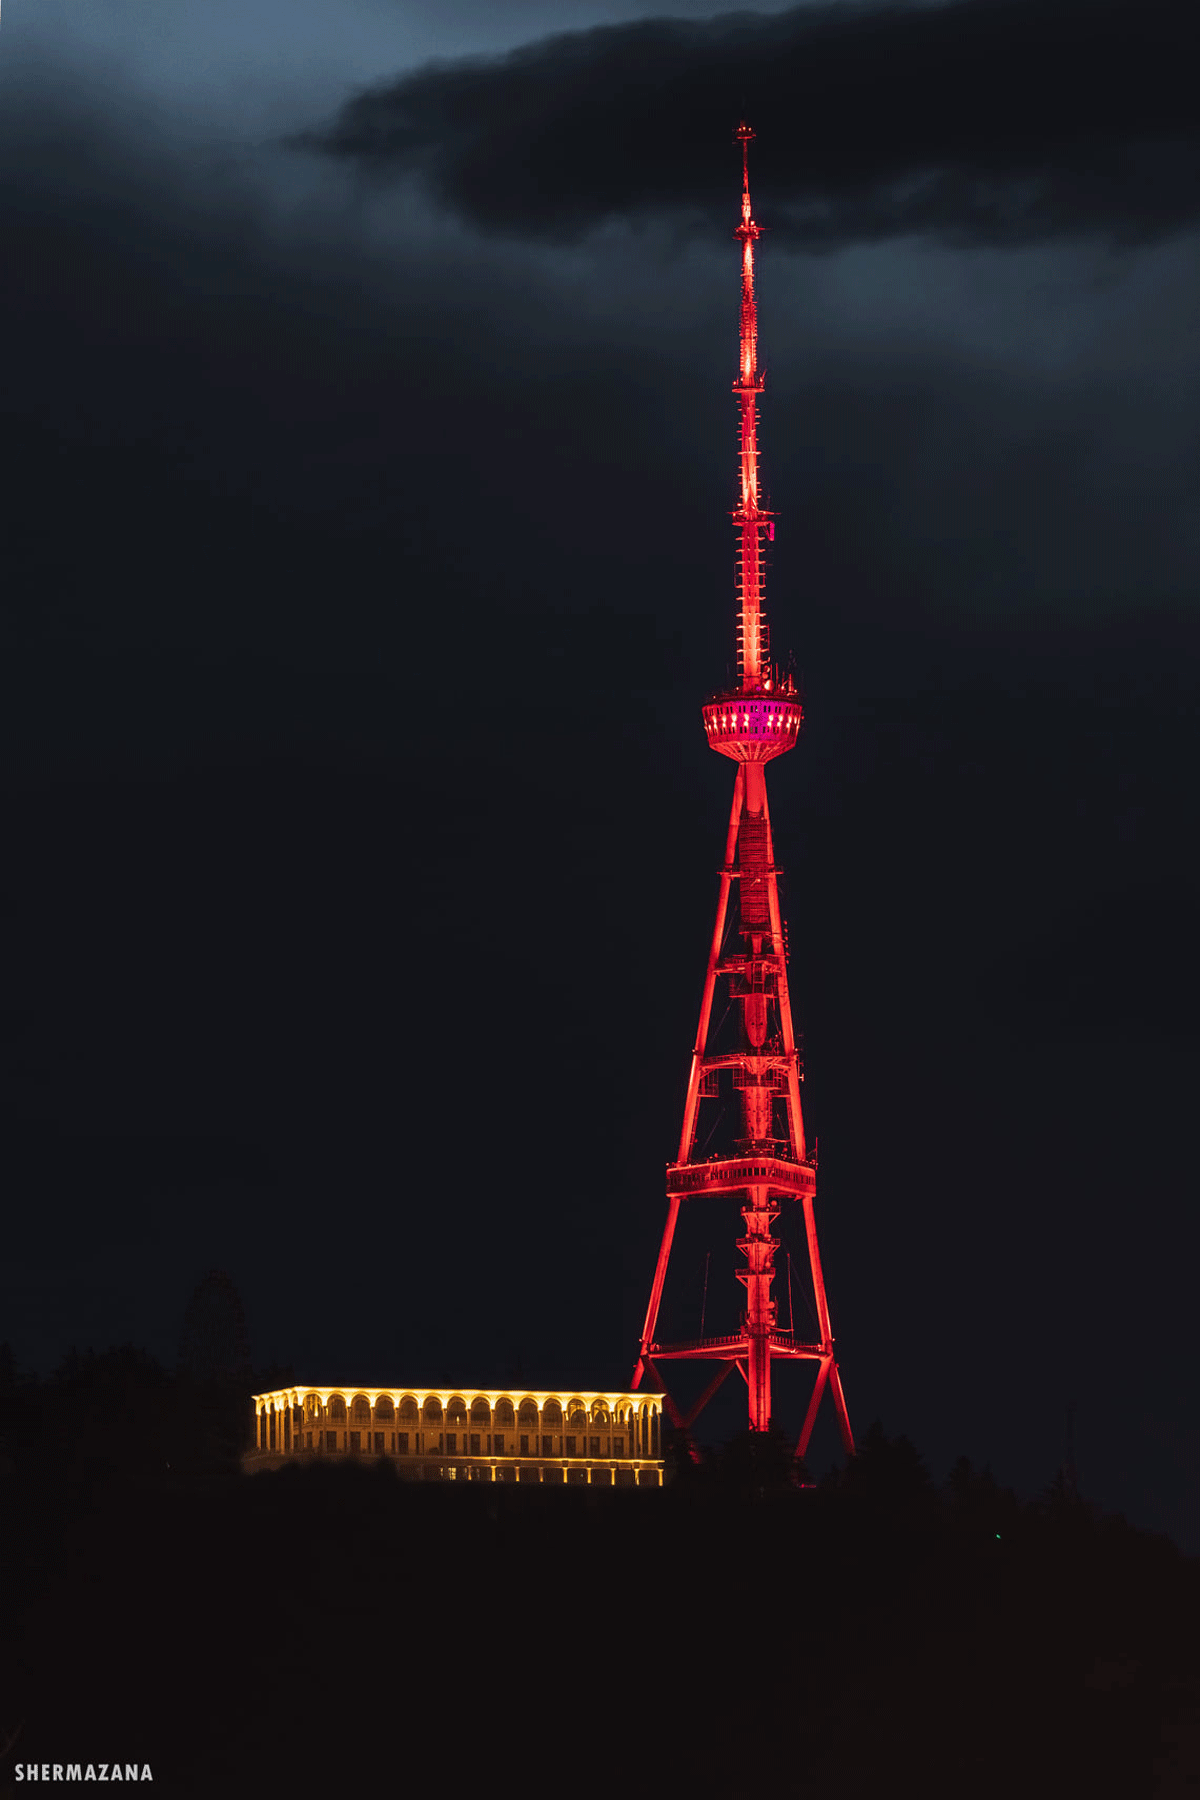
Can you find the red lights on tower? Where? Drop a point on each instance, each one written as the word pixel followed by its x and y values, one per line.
pixel 753 649
pixel 768 1167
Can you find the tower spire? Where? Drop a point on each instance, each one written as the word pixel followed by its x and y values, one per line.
pixel 751 519
pixel 749 1063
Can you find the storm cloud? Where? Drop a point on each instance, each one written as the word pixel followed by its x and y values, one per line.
pixel 989 121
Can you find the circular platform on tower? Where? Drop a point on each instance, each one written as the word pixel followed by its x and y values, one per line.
pixel 752 727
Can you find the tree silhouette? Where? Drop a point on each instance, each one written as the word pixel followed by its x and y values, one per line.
pixel 760 1463
pixel 887 1478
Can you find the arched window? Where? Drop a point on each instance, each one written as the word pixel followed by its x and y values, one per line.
pixel 360 1412
pixel 576 1417
pixel 337 1409
pixel 552 1413
pixel 600 1413
pixel 433 1410
pixel 408 1410
pixel 504 1414
pixel 385 1412
pixel 456 1412
pixel 312 1407
pixel 481 1414
pixel 528 1415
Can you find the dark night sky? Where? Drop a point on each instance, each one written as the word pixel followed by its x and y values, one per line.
pixel 368 455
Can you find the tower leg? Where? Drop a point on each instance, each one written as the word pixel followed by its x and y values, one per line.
pixel 818 1279
pixel 810 1417
pixel 794 1108
pixel 834 1379
pixel 839 1402
pixel 692 1102
pixel 669 1407
pixel 660 1275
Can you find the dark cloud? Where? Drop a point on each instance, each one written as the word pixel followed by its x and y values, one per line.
pixel 992 121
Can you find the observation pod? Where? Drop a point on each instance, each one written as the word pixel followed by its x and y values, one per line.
pixel 753 728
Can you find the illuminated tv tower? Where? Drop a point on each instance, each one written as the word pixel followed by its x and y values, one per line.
pixel 768 1166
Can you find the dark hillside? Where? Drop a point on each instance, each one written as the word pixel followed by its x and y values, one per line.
pixel 335 1630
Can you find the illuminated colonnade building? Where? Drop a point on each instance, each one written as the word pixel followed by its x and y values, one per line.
pixel 432 1434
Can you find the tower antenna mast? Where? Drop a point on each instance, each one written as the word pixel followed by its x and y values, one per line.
pixel 751 518
pixel 767 1166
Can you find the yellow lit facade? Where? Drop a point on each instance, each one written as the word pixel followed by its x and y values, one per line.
pixel 443 1434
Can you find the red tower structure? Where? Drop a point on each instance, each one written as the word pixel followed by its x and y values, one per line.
pixel 769 1167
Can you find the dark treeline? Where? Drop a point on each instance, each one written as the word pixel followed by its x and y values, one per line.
pixel 334 1629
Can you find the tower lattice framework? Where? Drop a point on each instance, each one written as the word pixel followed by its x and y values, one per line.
pixel 769 1167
